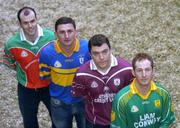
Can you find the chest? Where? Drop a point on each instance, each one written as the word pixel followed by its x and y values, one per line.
pixel 145 111
pixel 60 61
pixel 98 84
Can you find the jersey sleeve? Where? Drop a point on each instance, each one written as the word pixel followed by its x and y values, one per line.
pixel 168 116
pixel 44 66
pixel 128 76
pixel 118 115
pixel 8 58
pixel 78 86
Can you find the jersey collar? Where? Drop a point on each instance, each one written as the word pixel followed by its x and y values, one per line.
pixel 114 62
pixel 59 50
pixel 40 33
pixel 134 90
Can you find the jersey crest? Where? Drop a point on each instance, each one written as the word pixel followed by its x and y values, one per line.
pixel 24 54
pixel 57 64
pixel 81 59
pixel 117 82
pixel 134 109
pixel 157 103
pixel 94 84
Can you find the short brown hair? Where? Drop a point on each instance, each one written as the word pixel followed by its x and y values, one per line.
pixel 98 40
pixel 142 56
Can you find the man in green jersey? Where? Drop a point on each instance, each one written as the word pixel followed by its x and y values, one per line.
pixel 144 103
pixel 21 53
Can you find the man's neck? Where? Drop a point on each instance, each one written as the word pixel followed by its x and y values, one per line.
pixel 31 38
pixel 105 70
pixel 143 89
pixel 68 50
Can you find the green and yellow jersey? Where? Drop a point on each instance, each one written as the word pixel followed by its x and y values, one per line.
pixel 132 110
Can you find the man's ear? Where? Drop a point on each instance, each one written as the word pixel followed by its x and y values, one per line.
pixel 90 54
pixel 110 50
pixel 153 72
pixel 133 73
pixel 76 32
pixel 18 22
pixel 55 33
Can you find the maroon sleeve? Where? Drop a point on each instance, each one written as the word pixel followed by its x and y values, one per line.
pixel 78 88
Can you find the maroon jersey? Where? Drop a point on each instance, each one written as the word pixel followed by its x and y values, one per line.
pixel 99 89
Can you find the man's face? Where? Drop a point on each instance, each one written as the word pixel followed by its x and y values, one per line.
pixel 66 34
pixel 101 56
pixel 29 24
pixel 143 72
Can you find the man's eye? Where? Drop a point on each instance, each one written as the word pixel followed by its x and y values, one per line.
pixel 95 53
pixel 32 21
pixel 105 52
pixel 69 31
pixel 148 69
pixel 25 23
pixel 138 70
pixel 61 32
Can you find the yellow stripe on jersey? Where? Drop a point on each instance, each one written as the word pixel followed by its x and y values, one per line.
pixel 63 71
pixel 43 65
pixel 62 77
pixel 44 73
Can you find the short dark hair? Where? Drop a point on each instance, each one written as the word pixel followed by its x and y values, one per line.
pixel 65 20
pixel 98 40
pixel 142 56
pixel 26 12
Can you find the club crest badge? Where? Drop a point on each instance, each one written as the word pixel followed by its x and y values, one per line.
pixel 117 82
pixel 157 103
pixel 134 108
pixel 81 60
pixel 24 54
pixel 57 64
pixel 94 84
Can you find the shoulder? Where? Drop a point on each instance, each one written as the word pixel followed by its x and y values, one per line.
pixel 83 42
pixel 161 89
pixel 124 90
pixel 46 30
pixel 48 47
pixel 85 67
pixel 14 39
pixel 123 93
pixel 83 47
pixel 123 66
pixel 123 62
pixel 48 33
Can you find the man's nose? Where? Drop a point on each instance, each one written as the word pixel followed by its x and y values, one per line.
pixel 30 24
pixel 101 56
pixel 66 34
pixel 144 73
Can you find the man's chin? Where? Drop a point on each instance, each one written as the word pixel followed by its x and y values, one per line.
pixel 145 83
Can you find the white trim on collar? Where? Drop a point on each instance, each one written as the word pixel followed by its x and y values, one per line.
pixel 114 62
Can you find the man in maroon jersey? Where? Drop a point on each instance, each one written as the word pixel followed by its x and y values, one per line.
pixel 99 80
